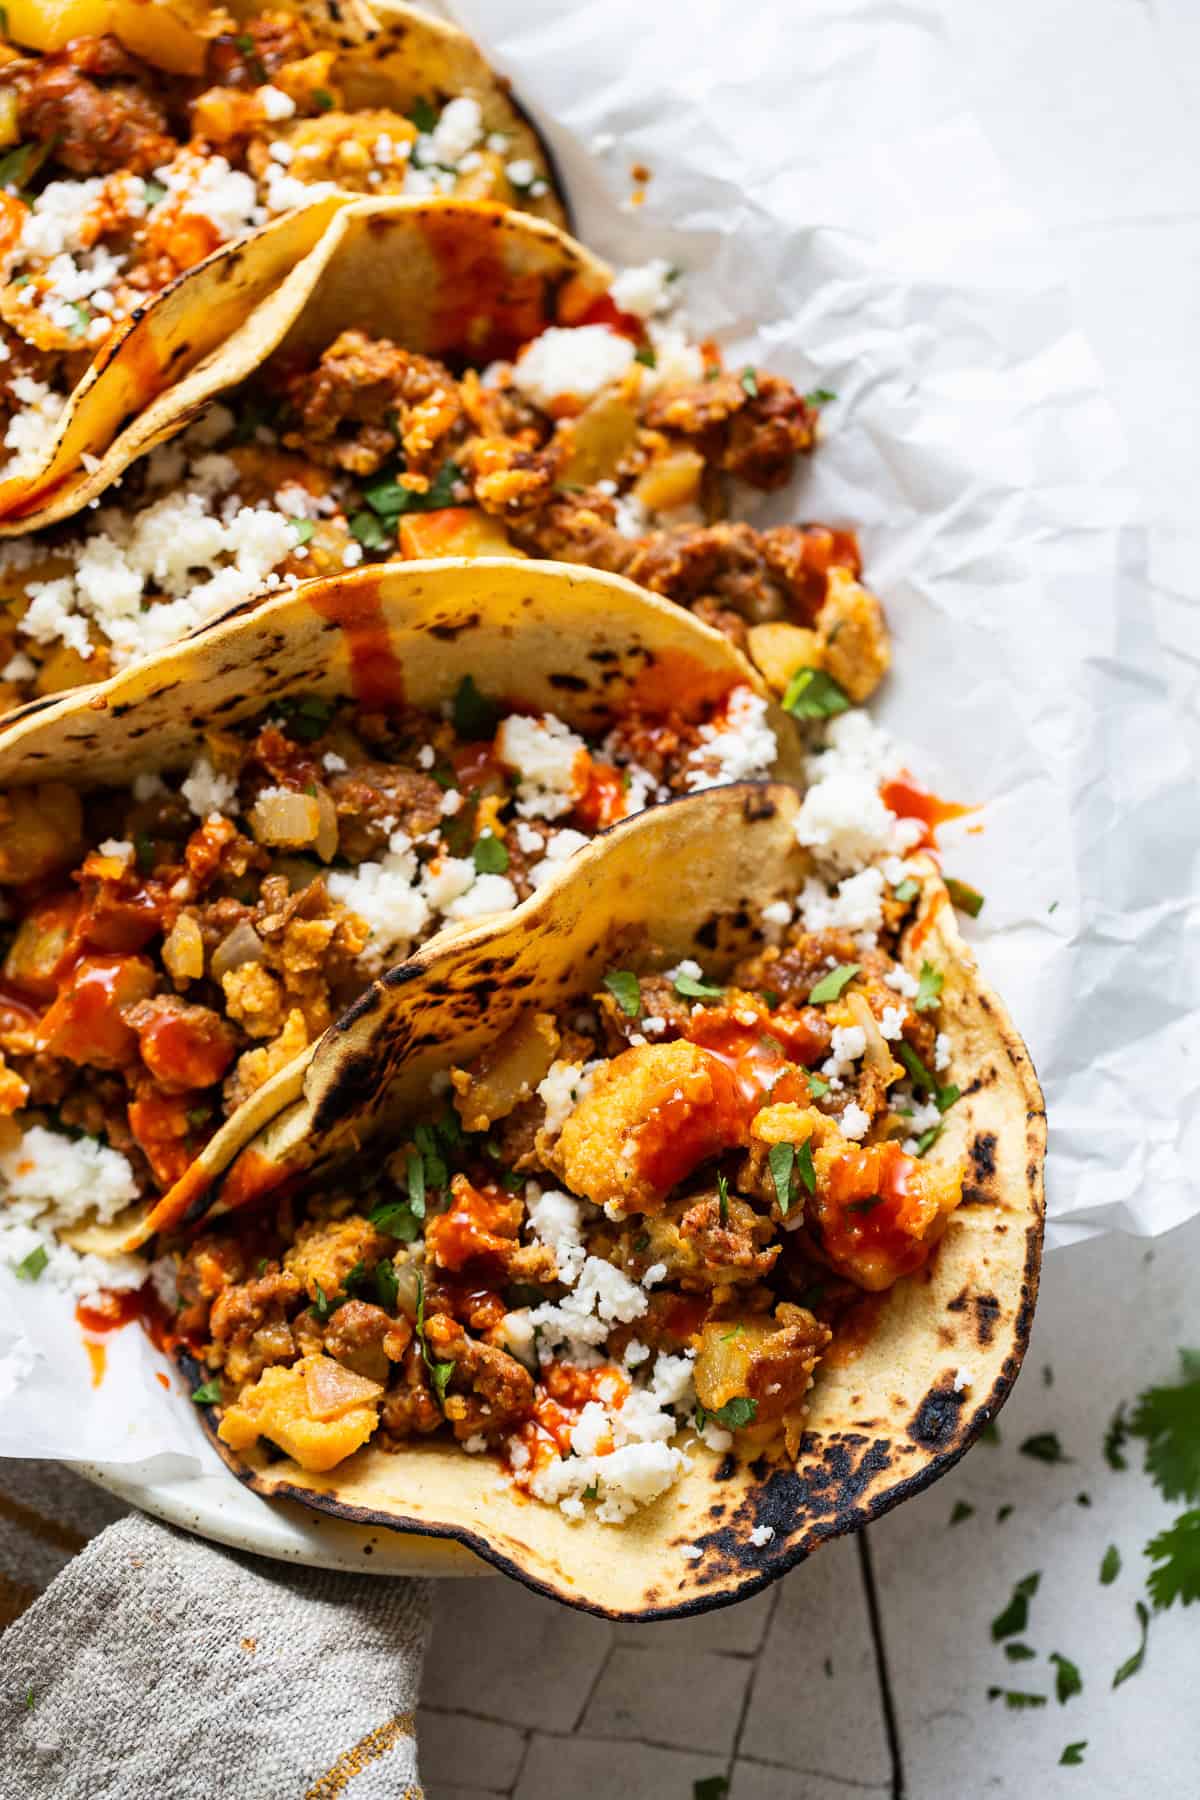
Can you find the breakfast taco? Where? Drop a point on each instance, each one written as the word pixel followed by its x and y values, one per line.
pixel 692 1216
pixel 206 860
pixel 135 140
pixel 447 380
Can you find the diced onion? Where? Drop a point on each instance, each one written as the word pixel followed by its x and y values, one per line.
pixel 327 825
pixel 407 1285
pixel 183 949
pixel 282 818
pixel 243 945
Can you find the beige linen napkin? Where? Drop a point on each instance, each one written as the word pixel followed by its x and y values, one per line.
pixel 140 1661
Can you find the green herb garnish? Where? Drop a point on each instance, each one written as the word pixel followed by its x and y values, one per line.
pixel 818 1087
pixel 1044 1446
pixel 1016 1702
pixel 736 1412
pixel 812 694
pixel 830 986
pixel 780 1160
pixel 623 985
pixel 688 987
pixel 1133 1663
pixel 370 533
pixel 1072 1756
pixel 929 988
pixel 396 1219
pixel 303 529
pixel 962 1510
pixel 30 1267
pixel 1067 1680
pixel 322 99
pixel 489 855
pixel 819 397
pixel 1015 1617
pixel 966 898
pixel 208 1393
pixel 723 1199
pixel 474 717
pixel 906 890
pixel 424 116
pixel 749 381
pixel 646 356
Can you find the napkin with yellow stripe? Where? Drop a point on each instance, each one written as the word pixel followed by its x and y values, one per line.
pixel 138 1660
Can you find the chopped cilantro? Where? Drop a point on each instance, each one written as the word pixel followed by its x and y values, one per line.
pixel 689 988
pixel 592 1491
pixel 389 498
pixel 990 1434
pixel 966 898
pixel 245 43
pixel 1114 1440
pixel 1110 1566
pixel 780 1159
pixel 924 1081
pixel 489 855
pixel 736 1412
pixel 1015 1701
pixel 143 849
pixel 369 532
pixel 710 1787
pixel 830 986
pixel 396 1219
pixel 435 1172
pixel 1002 1513
pixel 322 99
pixel 441 1375
pixel 29 1695
pixel 208 1393
pixel 1133 1663
pixel 441 1371
pixel 198 1115
pixel 1177 1552
pixel 153 192
pixel 727 1336
pixel 817 1085
pixel 641 1241
pixel 646 356
pixel 414 1174
pixel 623 985
pixel 1072 1756
pixel 906 890
pixel 1015 1617
pixel 962 1510
pixel 1083 1499
pixel 928 1138
pixel 83 317
pixel 1168 1419
pixel 307 717
pixel 423 115
pixel 1044 1446
pixel 865 1206
pixel 929 988
pixel 819 397
pixel 1018 1652
pixel 1067 1680
pixel 321 1305
pixel 303 529
pixel 723 1199
pixel 749 381
pixel 804 1166
pixel 17 166
pixel 812 694
pixel 474 717
pixel 30 1267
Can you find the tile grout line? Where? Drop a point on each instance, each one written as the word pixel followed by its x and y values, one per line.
pixel 887 1701
pixel 526 1747
pixel 763 1641
pixel 596 1680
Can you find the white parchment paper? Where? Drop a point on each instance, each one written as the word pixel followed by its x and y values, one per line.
pixel 840 220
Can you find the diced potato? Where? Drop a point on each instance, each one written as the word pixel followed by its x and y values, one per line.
pixel 454 531
pixel 164 34
pixel 723 1364
pixel 506 1073
pixel 10 129
pixel 778 650
pixel 673 481
pixel 35 956
pixel 853 635
pixel 600 438
pixel 325 1252
pixel 41 830
pixel 298 1408
pixel 65 668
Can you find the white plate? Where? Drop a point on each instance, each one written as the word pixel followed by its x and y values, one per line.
pixel 201 1496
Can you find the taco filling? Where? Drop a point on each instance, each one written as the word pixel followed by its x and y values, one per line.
pixel 117 175
pixel 170 945
pixel 617 443
pixel 634 1223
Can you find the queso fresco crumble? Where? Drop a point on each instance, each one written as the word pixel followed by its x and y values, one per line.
pixel 630 1226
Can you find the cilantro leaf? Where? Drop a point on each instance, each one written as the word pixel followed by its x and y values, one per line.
pixel 152 192
pixel 1072 1756
pixel 441 1375
pixel 710 1787
pixel 396 1218
pixel 1067 1679
pixel 1013 1620
pixel 390 498
pixel 812 694
pixel 370 533
pixel 736 1412
pixel 780 1159
pixel 1019 1652
pixel 474 717
pixel 927 1139
pixel 688 988
pixel 962 1510
pixel 1044 1446
pixel 489 855
pixel 817 1085
pixel 1016 1701
pixel 645 355
pixel 322 99
pixel 1133 1663
pixel 966 898
pixel 929 988
pixel 424 116
pixel 865 1206
pixel 907 890
pixel 17 166
pixel 144 851
pixel 1177 1552
pixel 819 397
pixel 831 985
pixel 30 1267
pixel 387 1287
pixel 723 1199
pixel 1114 1440
pixel 749 381
pixel 321 1305
pixel 924 1080
pixel 1168 1418
pixel 623 985
pixel 1110 1566
pixel 804 1166
pixel 303 529
pixel 209 1392
pixel 434 1173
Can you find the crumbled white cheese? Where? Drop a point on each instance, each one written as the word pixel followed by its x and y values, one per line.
pixel 275 103
pixel 848 1043
pixel 857 904
pixel 72 1177
pixel 571 362
pixel 206 187
pixel 891 1025
pixel 741 747
pixel 561 1090
pixel 843 818
pixel 459 129
pixel 550 761
pixel 902 982
pixel 941 1052
pixel 120 848
pixel 31 431
pixel 206 792
pixel 691 1552
pixel 762 1535
pixel 854 1122
pixel 643 290
pixel 556 1219
pixel 487 894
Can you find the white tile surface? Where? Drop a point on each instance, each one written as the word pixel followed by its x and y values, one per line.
pixel 1094 108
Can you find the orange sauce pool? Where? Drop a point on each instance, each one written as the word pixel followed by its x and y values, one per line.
pixel 905 796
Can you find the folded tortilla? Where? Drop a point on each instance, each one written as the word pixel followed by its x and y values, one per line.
pixel 890 1411
pixel 155 371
